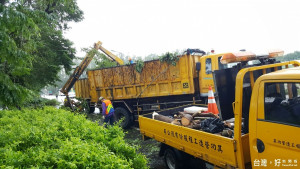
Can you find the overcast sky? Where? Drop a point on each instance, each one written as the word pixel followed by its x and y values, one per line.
pixel 142 27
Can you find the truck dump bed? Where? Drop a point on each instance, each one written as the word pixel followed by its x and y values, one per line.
pixel 156 79
pixel 213 148
pixel 82 88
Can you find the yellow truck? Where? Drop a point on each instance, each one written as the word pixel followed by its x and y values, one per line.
pixel 158 86
pixel 266 100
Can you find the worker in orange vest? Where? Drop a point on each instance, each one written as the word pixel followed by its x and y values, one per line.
pixel 107 111
pixel 130 61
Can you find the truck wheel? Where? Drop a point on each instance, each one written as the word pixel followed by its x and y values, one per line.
pixel 196 163
pixel 172 161
pixel 122 113
pixel 88 108
pixel 91 110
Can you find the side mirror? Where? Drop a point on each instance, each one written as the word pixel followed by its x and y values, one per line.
pixel 198 66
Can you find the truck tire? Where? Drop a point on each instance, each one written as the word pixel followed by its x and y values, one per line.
pixel 196 163
pixel 120 113
pixel 91 110
pixel 88 108
pixel 172 160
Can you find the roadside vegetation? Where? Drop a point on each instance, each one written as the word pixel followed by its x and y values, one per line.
pixel 56 138
pixel 149 148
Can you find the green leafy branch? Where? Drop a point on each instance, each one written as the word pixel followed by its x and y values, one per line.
pixel 169 58
pixel 139 65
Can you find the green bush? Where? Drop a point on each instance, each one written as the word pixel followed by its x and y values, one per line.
pixel 55 138
pixel 39 102
pixel 51 102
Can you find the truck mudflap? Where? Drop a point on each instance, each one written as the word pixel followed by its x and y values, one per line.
pixel 212 148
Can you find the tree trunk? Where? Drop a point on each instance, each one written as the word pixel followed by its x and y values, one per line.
pixel 180 114
pixel 195 121
pixel 186 119
pixel 163 118
pixel 187 113
pixel 199 114
pixel 176 122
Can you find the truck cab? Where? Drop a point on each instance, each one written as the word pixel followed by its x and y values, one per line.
pixel 208 64
pixel 274 121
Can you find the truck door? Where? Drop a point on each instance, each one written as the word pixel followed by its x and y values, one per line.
pixel 277 142
pixel 206 78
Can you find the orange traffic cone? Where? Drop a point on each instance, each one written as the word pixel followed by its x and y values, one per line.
pixel 212 106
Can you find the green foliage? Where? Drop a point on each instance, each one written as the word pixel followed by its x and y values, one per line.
pixel 289 57
pixel 55 138
pixel 32 47
pixel 61 11
pixel 38 102
pixel 81 106
pixel 17 30
pixel 103 62
pixel 51 102
pixel 54 52
pixel 169 58
pixel 100 59
pixel 139 65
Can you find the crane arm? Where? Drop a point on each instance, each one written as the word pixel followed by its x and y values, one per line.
pixel 83 65
pixel 79 70
pixel 111 56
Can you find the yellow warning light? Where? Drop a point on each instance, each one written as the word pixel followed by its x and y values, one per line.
pixel 247 56
pixel 237 57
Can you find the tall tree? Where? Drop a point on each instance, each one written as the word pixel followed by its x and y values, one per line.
pixel 32 46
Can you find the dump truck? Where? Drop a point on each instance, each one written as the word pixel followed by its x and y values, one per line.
pixel 158 86
pixel 263 99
